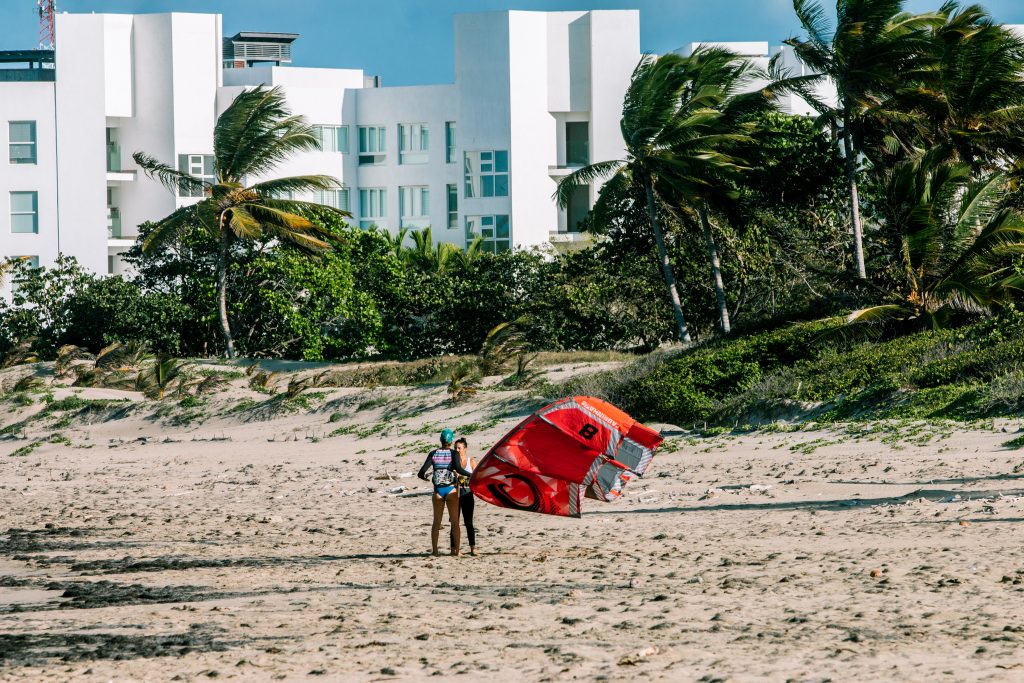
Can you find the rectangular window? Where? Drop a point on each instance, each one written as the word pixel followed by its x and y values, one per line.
pixel 449 142
pixel 413 143
pixel 494 230
pixel 453 206
pixel 332 138
pixel 372 147
pixel 334 198
pixel 198 166
pixel 32 262
pixel 25 213
pixel 486 173
pixel 577 143
pixel 373 203
pixel 578 208
pixel 22 142
pixel 414 203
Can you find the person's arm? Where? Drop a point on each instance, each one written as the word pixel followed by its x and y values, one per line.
pixel 457 466
pixel 426 465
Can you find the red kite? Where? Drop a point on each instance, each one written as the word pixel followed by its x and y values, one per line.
pixel 579 446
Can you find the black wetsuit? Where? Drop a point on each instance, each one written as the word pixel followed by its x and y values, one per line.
pixel 466 505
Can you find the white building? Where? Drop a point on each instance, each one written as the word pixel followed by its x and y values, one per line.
pixel 479 156
pixel 535 94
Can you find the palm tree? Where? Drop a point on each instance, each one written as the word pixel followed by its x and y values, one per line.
pixel 708 151
pixel 7 266
pixel 874 50
pixel 954 247
pixel 682 122
pixel 253 135
pixel 973 98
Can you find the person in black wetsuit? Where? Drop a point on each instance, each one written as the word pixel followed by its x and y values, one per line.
pixel 466 500
pixel 446 467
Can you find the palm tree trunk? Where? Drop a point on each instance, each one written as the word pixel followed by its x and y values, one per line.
pixel 851 179
pixel 222 290
pixel 716 270
pixel 666 265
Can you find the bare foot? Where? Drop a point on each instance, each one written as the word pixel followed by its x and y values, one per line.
pixel 436 554
pixel 472 552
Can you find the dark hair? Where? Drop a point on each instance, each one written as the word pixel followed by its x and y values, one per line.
pixel 463 441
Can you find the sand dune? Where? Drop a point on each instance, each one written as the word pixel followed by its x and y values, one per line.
pixel 246 541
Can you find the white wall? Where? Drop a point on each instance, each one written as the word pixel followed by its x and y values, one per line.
pixel 432 105
pixel 532 150
pixel 26 101
pixel 483 87
pixel 81 140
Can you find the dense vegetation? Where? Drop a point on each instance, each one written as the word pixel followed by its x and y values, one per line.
pixel 853 260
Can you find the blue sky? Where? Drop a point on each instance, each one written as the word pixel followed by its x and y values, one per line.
pixel 409 42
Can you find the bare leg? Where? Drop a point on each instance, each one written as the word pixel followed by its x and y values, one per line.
pixel 452 501
pixel 435 528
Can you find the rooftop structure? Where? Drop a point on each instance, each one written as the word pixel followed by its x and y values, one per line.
pixel 247 49
pixel 26 65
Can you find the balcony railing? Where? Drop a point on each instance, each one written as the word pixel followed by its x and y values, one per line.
pixel 113 157
pixel 114 222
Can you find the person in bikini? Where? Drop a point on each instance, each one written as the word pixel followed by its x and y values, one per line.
pixel 446 467
pixel 466 501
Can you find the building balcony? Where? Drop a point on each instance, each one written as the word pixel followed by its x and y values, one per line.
pixel 570 241
pixel 563 170
pixel 114 222
pixel 115 173
pixel 113 157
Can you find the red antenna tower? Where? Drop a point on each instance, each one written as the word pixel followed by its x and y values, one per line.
pixel 47 23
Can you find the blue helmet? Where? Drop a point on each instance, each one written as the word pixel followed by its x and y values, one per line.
pixel 447 436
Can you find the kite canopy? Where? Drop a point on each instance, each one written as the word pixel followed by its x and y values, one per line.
pixel 579 446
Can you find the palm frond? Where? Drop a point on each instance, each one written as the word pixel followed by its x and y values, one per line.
pixel 168 176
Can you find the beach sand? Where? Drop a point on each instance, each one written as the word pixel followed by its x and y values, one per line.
pixel 246 542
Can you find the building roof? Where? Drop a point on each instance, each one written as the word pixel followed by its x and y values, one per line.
pixel 265 37
pixel 26 56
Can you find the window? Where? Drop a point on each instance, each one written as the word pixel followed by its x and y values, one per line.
pixel 493 229
pixel 449 142
pixel 372 205
pixel 577 143
pixel 453 206
pixel 372 146
pixel 414 203
pixel 113 151
pixel 332 138
pixel 486 174
pixel 413 143
pixel 22 142
pixel 25 212
pixel 32 262
pixel 335 198
pixel 198 166
pixel 578 207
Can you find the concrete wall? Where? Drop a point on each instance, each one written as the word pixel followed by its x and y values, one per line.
pixel 81 140
pixel 29 102
pixel 532 144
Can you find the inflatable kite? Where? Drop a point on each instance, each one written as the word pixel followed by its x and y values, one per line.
pixel 574 448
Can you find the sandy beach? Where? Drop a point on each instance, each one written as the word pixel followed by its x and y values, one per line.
pixel 239 540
